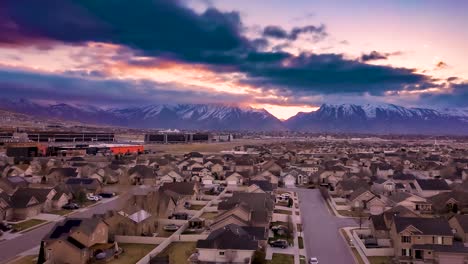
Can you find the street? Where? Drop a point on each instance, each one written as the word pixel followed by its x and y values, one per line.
pixel 321 229
pixel 11 248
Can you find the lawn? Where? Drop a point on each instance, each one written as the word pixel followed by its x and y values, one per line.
pixel 196 207
pixel 179 252
pixel 132 253
pixel 26 260
pixel 61 212
pixel 281 259
pixel 211 215
pixel 19 227
pixel 301 242
pixel 380 260
pixel 352 213
pixel 277 211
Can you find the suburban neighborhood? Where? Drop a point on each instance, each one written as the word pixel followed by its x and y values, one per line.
pixel 311 201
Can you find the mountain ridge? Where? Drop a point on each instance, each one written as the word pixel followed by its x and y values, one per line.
pixel 335 118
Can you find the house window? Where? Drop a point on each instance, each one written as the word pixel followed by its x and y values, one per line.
pixel 406 252
pixel 440 240
pixel 221 253
pixel 405 239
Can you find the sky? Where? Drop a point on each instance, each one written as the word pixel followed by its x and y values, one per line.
pixel 284 56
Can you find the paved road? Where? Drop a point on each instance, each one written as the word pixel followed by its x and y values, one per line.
pixel 321 230
pixel 11 248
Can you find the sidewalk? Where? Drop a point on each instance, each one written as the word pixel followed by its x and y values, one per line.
pixel 358 249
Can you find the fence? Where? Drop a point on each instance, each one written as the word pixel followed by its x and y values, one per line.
pixel 371 252
pixel 140 240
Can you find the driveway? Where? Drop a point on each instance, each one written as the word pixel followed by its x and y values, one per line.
pixel 321 229
pixel 29 240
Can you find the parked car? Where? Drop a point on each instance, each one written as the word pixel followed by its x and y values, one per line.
pixel 92 197
pixel 107 194
pixel 71 206
pixel 313 260
pixel 171 227
pixel 179 216
pixel 4 226
pixel 280 243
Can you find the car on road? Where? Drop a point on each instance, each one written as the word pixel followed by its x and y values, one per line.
pixel 71 206
pixel 313 260
pixel 280 243
pixel 171 227
pixel 4 226
pixel 107 194
pixel 92 197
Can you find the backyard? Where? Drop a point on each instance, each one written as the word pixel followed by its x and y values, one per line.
pixel 179 252
pixel 132 253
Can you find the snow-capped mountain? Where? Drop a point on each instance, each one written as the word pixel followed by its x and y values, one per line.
pixel 383 118
pixel 180 116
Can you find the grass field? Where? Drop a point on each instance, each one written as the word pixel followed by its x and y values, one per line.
pixel 281 259
pixel 210 215
pixel 132 253
pixel 278 211
pixel 25 260
pixel 179 252
pixel 19 227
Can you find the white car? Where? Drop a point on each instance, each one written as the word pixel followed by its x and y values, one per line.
pixel 92 197
pixel 313 261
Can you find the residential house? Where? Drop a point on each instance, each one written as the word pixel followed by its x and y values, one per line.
pixel 459 223
pixel 430 187
pixel 426 240
pixel 228 244
pixel 72 241
pixel 75 185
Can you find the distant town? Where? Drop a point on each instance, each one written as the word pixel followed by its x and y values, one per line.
pixel 89 195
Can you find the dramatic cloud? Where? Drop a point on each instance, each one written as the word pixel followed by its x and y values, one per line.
pixel 76 88
pixel 456 95
pixel 278 32
pixel 375 55
pixel 165 32
pixel 441 65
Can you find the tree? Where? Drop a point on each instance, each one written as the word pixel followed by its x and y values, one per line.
pixel 81 197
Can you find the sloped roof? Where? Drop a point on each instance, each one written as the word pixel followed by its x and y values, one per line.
pixel 229 237
pixel 428 226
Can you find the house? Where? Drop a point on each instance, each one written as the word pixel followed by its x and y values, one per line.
pixel 450 202
pixel 137 222
pixel 263 186
pixel 345 188
pixel 59 175
pixel 234 179
pixel 289 181
pixel 367 200
pixel 382 186
pixel 228 244
pixel 245 209
pixel 426 240
pixel 76 185
pixel 72 240
pixel 380 224
pixel 6 211
pixel 430 187
pixel 142 174
pixel 29 202
pixel 180 192
pixel 413 202
pixel 459 223
pixel 384 171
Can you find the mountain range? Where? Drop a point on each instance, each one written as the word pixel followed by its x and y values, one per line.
pixel 342 118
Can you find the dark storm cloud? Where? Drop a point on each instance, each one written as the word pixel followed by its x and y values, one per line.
pixel 167 30
pixel 457 96
pixel 76 87
pixel 278 32
pixel 332 73
pixel 375 55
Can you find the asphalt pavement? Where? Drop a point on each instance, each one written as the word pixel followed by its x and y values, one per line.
pixel 321 229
